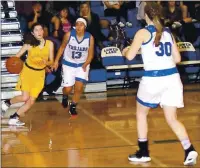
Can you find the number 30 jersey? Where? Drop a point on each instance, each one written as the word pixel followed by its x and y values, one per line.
pixel 157 58
pixel 77 51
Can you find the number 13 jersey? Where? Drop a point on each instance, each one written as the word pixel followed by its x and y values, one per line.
pixel 77 51
pixel 158 58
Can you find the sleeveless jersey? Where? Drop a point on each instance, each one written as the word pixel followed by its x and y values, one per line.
pixel 38 54
pixel 158 58
pixel 77 51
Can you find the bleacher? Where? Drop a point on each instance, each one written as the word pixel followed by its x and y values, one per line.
pixel 117 72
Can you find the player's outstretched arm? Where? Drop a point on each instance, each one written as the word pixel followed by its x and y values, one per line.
pixel 22 50
pixel 61 49
pixel 51 54
pixel 131 52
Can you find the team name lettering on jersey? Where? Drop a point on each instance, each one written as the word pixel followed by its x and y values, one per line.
pixel 77 48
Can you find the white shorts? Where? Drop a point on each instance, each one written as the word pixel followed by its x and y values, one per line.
pixel 166 91
pixel 72 74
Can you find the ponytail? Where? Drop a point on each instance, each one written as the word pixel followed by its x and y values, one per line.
pixel 153 11
pixel 159 30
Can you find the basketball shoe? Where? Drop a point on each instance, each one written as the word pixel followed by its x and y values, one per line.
pixel 72 108
pixel 190 156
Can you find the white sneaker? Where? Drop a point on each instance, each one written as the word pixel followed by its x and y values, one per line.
pixel 121 24
pixel 15 121
pixel 129 24
pixel 4 106
pixel 191 159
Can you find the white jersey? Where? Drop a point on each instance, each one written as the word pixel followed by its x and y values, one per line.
pixel 158 58
pixel 75 51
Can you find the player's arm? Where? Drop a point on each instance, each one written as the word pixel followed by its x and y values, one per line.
pixel 22 50
pixel 175 52
pixel 61 49
pixel 51 54
pixel 90 51
pixel 131 52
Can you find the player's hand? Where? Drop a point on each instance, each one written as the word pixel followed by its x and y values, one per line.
pixel 84 67
pixel 55 66
pixel 125 51
pixel 48 70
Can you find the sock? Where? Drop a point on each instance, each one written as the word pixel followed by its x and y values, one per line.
pixel 8 102
pixel 143 145
pixel 73 103
pixel 15 115
pixel 187 151
pixel 142 139
pixel 65 96
pixel 186 143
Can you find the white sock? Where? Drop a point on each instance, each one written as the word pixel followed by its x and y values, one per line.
pixel 142 139
pixel 186 143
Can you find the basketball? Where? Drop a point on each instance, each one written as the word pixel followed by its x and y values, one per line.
pixel 14 65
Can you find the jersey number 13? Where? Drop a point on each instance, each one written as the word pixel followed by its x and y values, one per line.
pixel 76 54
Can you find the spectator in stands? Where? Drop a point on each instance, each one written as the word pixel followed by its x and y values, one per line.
pixel 93 23
pixel 141 13
pixel 175 17
pixel 65 22
pixel 43 17
pixel 118 9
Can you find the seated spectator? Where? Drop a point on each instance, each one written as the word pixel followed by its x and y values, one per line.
pixel 65 22
pixel 176 17
pixel 141 13
pixel 93 23
pixel 43 17
pixel 118 9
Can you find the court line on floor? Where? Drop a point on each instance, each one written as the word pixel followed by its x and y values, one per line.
pixel 156 161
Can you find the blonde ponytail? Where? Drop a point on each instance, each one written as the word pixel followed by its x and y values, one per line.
pixel 159 30
pixel 153 11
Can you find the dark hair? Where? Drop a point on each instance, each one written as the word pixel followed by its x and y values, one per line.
pixel 30 39
pixel 153 11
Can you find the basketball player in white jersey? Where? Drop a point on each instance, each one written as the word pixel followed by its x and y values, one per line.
pixel 78 48
pixel 160 84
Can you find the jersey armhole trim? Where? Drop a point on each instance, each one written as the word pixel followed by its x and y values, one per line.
pixel 149 39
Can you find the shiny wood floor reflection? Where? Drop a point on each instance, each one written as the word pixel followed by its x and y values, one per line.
pixel 103 134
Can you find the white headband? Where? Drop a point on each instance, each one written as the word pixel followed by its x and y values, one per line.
pixel 82 20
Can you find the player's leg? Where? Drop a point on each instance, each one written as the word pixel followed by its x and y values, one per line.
pixel 180 131
pixel 78 90
pixel 142 155
pixel 14 119
pixel 172 99
pixel 81 79
pixel 147 97
pixel 68 81
pixel 7 103
pixel 66 93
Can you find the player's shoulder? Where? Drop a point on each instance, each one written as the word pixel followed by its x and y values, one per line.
pixel 49 42
pixel 88 35
pixel 142 32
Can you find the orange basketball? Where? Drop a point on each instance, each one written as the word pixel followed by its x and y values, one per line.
pixel 14 65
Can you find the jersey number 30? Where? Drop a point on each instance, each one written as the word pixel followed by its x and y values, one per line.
pixel 164 49
pixel 76 54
